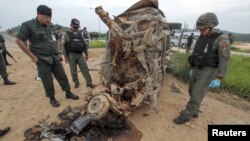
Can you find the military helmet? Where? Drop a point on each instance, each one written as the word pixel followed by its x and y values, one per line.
pixel 207 20
pixel 75 23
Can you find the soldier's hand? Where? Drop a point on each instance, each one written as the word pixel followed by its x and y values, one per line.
pixel 215 84
pixel 34 59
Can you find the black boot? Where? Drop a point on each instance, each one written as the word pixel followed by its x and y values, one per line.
pixel 54 102
pixel 8 82
pixel 196 115
pixel 90 85
pixel 70 95
pixel 180 120
pixel 4 131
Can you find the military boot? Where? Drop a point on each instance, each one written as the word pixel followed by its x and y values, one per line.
pixel 196 115
pixel 54 102
pixel 70 95
pixel 4 131
pixel 180 120
pixel 8 82
pixel 90 85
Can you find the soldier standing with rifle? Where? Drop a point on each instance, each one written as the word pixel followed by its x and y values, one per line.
pixel 42 51
pixel 3 71
pixel 5 52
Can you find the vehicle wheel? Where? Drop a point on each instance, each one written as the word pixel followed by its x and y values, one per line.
pixel 98 107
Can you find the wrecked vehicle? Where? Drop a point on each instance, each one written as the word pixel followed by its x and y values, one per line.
pixel 133 71
pixel 134 68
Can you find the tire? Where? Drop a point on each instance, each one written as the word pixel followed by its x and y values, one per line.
pixel 98 107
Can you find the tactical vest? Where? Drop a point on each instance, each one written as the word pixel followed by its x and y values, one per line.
pixel 85 35
pixel 76 43
pixel 203 54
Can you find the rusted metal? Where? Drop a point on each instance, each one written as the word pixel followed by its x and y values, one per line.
pixel 132 74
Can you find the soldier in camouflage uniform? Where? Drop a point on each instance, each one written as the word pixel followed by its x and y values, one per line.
pixel 74 46
pixel 3 71
pixel 208 61
pixel 42 51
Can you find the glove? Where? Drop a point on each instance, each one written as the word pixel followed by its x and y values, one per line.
pixel 190 73
pixel 215 83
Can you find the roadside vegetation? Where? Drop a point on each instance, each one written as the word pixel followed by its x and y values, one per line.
pixel 97 44
pixel 236 80
pixel 236 49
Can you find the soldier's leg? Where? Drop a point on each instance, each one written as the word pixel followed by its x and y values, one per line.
pixel 200 86
pixel 61 76
pixel 3 71
pixel 73 67
pixel 45 72
pixel 5 57
pixel 85 70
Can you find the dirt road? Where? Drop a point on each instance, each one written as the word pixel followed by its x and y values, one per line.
pixel 23 105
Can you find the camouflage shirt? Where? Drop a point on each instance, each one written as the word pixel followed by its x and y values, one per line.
pixel 222 43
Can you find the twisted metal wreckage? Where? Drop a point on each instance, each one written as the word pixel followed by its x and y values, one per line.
pixel 131 75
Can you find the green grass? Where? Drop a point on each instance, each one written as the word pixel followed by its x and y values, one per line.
pixel 236 81
pixel 96 44
pixel 180 66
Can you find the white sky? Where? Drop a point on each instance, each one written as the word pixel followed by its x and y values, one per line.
pixel 233 15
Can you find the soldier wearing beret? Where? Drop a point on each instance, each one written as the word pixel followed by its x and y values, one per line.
pixel 208 62
pixel 43 52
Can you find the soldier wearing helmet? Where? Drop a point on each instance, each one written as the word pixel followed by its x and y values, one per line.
pixel 73 48
pixel 208 63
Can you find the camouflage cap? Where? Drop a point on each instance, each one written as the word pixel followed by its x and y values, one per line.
pixel 44 10
pixel 207 20
pixel 75 23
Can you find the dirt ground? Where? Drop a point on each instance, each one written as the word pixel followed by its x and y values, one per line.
pixel 243 46
pixel 23 105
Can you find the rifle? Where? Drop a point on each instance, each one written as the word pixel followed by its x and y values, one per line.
pixel 8 53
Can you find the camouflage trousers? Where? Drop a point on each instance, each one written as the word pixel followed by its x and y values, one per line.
pixel 78 59
pixel 198 87
pixel 45 71
pixel 3 71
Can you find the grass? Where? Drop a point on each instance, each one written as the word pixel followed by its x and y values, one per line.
pixel 97 44
pixel 236 80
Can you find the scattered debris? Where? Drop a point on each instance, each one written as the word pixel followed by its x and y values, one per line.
pixel 175 88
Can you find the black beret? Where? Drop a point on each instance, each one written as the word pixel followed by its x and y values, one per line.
pixel 75 23
pixel 44 10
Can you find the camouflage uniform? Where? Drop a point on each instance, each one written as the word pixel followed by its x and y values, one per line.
pixel 3 50
pixel 216 52
pixel 75 57
pixel 3 71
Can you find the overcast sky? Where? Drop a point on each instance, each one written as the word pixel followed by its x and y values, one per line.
pixel 233 15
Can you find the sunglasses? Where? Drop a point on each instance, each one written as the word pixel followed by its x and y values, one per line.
pixel 75 27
